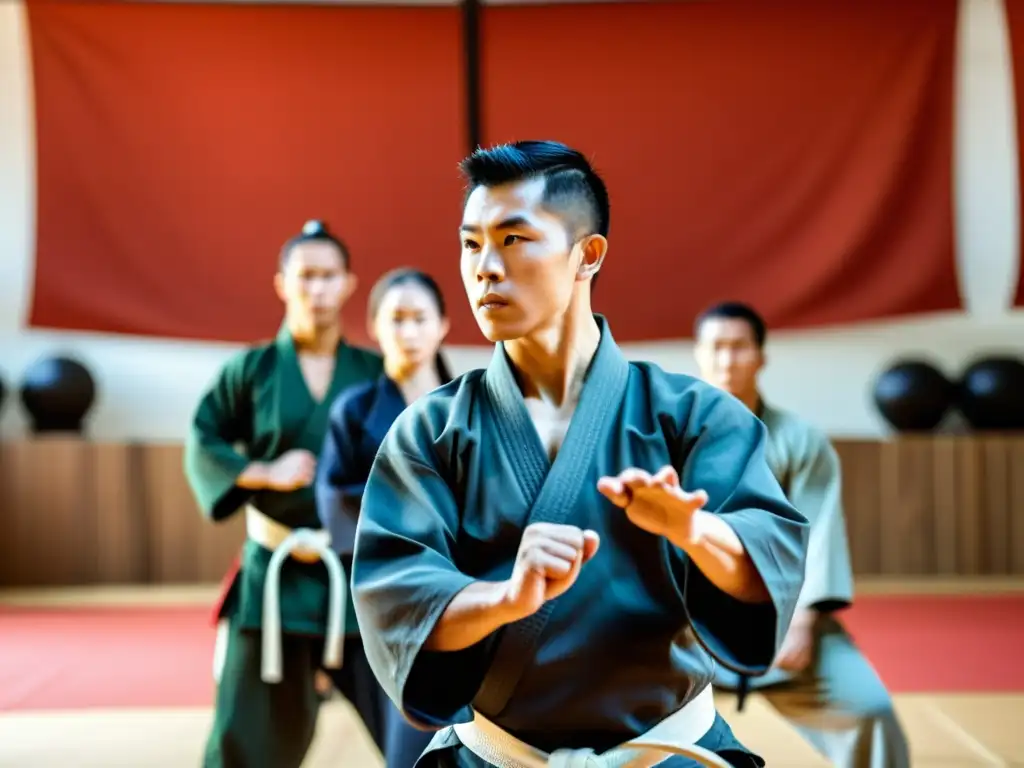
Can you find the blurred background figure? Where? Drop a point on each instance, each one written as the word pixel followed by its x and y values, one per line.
pixel 409 321
pixel 821 682
pixel 277 627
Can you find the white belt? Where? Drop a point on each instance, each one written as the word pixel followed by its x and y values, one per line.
pixel 675 735
pixel 284 541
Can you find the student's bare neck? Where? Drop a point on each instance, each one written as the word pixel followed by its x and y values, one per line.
pixel 553 362
pixel 413 382
pixel 318 342
pixel 752 400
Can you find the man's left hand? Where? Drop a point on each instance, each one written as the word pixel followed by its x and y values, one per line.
pixel 656 502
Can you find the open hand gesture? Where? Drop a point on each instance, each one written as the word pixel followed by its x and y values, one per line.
pixel 655 502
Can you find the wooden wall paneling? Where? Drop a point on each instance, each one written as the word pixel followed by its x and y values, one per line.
pixel 8 510
pixel 923 523
pixel 77 512
pixel 970 555
pixel 118 503
pixel 1016 505
pixel 173 541
pixel 945 505
pixel 889 546
pixel 212 545
pixel 51 517
pixel 861 470
pixel 995 507
pixel 29 529
pixel 908 529
pixel 10 504
pixel 29 526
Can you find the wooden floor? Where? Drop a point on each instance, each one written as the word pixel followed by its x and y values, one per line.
pixel 961 731
pixel 945 731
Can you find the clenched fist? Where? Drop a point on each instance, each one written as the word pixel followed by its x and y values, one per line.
pixel 548 562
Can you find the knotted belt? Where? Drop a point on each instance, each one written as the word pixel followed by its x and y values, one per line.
pixel 675 735
pixel 303 543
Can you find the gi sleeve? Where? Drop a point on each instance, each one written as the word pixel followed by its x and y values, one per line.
pixel 339 477
pixel 722 450
pixel 404 577
pixel 222 420
pixel 815 489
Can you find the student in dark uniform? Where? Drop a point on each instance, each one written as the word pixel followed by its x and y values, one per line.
pixel 282 605
pixel 552 553
pixel 408 320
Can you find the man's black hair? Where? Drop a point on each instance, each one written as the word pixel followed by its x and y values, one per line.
pixel 314 231
pixel 734 310
pixel 572 188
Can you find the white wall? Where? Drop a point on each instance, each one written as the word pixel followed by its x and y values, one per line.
pixel 147 387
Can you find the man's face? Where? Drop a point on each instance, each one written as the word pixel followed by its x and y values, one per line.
pixel 728 356
pixel 519 264
pixel 314 284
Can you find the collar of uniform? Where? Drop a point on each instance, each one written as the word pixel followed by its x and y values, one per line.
pixel 387 400
pixel 286 343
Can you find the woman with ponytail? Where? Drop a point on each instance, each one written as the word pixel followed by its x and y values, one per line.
pixel 409 322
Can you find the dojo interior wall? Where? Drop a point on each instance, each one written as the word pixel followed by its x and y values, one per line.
pixel 118 513
pixel 812 370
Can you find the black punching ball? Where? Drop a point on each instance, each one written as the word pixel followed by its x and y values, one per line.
pixel 913 396
pixel 57 392
pixel 992 394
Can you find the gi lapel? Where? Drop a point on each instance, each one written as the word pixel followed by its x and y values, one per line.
pixel 388 403
pixel 292 401
pixel 305 416
pixel 552 487
pixel 777 452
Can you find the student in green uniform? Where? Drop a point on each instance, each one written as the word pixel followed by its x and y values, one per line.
pixel 820 681
pixel 552 552
pixel 252 450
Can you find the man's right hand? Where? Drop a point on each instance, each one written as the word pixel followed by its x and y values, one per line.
pixel 548 563
pixel 291 470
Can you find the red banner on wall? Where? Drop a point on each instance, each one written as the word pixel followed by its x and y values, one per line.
pixel 1015 21
pixel 179 145
pixel 795 154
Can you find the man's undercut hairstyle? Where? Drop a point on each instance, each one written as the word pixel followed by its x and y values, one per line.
pixel 572 188
pixel 314 231
pixel 735 310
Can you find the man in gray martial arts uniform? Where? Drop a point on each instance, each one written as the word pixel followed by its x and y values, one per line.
pixel 820 682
